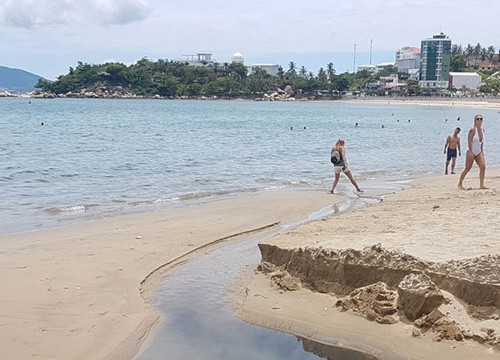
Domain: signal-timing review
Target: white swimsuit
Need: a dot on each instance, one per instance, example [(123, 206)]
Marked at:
[(476, 145)]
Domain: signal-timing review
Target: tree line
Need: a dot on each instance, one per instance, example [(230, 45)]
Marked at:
[(230, 80)]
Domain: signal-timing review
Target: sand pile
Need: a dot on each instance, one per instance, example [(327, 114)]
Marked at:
[(455, 300)]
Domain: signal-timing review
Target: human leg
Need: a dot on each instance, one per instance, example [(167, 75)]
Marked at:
[(482, 170), (469, 160), (446, 168), (335, 182), (453, 162), (353, 181)]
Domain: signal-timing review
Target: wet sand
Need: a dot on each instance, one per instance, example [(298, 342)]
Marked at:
[(83, 291), (368, 279)]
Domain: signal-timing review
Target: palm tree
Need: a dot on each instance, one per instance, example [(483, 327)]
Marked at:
[(303, 72), (468, 53), (491, 53), (330, 71), (292, 68), (477, 53), (322, 77), (484, 53)]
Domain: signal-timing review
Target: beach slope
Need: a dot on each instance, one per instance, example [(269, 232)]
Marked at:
[(415, 276)]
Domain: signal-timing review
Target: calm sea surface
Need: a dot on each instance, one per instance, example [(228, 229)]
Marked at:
[(94, 158)]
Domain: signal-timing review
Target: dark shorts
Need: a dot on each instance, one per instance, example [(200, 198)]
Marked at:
[(452, 153)]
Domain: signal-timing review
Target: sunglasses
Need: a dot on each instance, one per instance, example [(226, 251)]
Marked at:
[(479, 119)]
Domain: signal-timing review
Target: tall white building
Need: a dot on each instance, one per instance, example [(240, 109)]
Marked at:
[(408, 59)]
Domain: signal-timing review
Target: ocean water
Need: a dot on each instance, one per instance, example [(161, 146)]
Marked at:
[(100, 157)]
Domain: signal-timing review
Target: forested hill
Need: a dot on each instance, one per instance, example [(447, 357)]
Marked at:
[(172, 78), (17, 80)]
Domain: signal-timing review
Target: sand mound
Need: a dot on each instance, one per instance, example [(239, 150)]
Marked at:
[(456, 300)]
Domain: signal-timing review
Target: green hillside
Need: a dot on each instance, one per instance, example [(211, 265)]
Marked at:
[(17, 80)]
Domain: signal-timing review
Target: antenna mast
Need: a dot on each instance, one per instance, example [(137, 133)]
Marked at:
[(371, 47), (354, 60)]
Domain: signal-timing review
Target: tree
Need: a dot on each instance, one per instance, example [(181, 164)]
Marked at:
[(292, 69), (413, 87), (458, 63), (491, 54), (330, 71), (303, 72), (322, 77)]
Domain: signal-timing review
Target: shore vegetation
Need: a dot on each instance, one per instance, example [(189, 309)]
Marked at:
[(169, 78)]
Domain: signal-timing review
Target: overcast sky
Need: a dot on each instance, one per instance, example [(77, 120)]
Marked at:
[(46, 37)]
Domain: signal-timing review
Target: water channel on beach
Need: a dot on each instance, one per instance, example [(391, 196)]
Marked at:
[(199, 320)]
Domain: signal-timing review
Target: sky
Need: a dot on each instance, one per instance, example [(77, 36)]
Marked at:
[(47, 37)]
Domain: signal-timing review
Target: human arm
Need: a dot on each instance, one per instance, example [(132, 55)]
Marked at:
[(446, 143), (469, 139), (344, 156), (458, 146)]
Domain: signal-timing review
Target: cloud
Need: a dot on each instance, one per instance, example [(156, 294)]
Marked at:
[(42, 13)]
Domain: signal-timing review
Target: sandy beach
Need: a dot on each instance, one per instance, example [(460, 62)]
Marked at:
[(480, 103), (82, 292), (317, 281)]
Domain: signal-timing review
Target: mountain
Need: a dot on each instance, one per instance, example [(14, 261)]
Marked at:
[(17, 80)]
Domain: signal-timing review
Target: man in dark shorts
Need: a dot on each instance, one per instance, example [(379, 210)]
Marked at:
[(450, 149)]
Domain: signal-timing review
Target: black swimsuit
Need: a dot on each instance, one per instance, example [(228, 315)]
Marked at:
[(452, 153)]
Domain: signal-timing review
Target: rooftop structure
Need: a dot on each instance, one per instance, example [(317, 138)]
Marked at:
[(238, 58), (200, 59)]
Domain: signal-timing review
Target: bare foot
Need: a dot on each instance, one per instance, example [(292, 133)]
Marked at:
[(359, 190), (453, 172), (484, 187), (460, 187)]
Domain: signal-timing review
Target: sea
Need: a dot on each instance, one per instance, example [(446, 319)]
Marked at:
[(65, 161)]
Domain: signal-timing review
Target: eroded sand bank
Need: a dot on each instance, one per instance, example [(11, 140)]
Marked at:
[(416, 276)]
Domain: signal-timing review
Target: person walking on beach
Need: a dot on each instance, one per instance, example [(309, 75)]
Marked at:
[(339, 160), (451, 146), (475, 152)]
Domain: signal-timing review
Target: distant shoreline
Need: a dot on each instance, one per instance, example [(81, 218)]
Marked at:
[(475, 102)]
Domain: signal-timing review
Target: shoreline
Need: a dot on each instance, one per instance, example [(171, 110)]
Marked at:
[(488, 103), (90, 283), (474, 102), (422, 222)]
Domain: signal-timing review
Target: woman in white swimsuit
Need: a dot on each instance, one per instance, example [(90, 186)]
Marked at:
[(475, 152)]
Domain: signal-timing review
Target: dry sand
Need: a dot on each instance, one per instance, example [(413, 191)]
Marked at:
[(480, 103), (439, 249), (81, 292)]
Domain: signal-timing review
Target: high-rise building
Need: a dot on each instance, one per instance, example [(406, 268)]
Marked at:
[(408, 60), (435, 62)]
